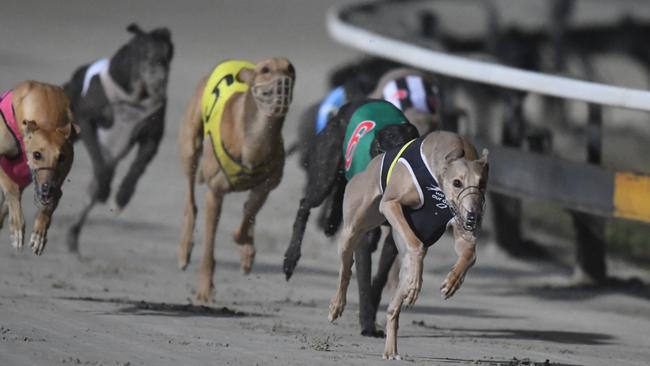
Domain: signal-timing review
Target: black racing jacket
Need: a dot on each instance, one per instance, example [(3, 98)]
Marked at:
[(430, 220)]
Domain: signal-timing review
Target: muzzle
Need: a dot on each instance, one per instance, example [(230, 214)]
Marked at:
[(470, 220), (274, 97), (45, 194)]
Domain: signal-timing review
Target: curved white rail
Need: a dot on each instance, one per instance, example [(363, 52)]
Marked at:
[(483, 72)]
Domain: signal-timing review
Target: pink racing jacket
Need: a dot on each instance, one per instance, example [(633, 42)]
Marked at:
[(16, 168)]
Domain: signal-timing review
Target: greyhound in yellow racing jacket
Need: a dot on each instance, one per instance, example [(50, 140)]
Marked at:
[(232, 134), (221, 85)]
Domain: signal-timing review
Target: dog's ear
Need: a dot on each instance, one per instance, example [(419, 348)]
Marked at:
[(164, 35), (69, 130), (66, 131), (483, 161), (135, 29), (484, 156), (455, 154), (246, 76), (30, 126)]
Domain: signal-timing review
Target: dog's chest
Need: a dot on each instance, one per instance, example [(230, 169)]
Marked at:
[(221, 87), (429, 221)]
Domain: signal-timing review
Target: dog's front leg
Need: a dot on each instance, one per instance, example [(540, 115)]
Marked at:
[(12, 194), (466, 250), (415, 249), (41, 224), (213, 200), (245, 234)]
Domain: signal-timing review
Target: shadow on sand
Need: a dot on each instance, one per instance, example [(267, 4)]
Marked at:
[(450, 310), (556, 336), (141, 307), (632, 287), (494, 362)]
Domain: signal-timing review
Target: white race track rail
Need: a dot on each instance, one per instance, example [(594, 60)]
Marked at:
[(483, 72)]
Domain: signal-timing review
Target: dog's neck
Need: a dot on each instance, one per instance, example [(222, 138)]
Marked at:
[(120, 68), (262, 135), (435, 161)]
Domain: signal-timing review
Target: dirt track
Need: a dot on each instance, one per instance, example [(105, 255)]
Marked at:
[(126, 303)]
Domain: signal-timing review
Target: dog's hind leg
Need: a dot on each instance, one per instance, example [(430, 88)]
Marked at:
[(350, 239), (245, 234), (72, 237), (363, 263), (213, 201), (386, 260), (392, 320), (148, 142), (334, 215), (324, 170), (314, 197), (190, 141)]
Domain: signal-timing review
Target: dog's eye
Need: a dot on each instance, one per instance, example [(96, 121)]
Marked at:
[(265, 70), (61, 157), (458, 183), (37, 155)]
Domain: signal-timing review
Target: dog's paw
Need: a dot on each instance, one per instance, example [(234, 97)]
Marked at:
[(413, 289), (205, 294), (374, 333), (37, 242), (116, 209), (451, 284), (392, 356), (336, 308), (183, 260), (17, 240), (246, 258), (242, 237)]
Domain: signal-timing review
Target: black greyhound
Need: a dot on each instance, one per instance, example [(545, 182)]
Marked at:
[(119, 103)]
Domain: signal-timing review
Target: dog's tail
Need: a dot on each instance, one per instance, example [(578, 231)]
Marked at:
[(190, 139)]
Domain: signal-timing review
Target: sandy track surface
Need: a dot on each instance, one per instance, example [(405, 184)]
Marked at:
[(126, 303)]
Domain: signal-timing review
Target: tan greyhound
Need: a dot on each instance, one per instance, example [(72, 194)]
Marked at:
[(35, 144), (420, 188), (240, 108)]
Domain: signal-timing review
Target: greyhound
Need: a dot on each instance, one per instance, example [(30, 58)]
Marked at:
[(412, 91), (120, 103), (240, 108), (35, 144), (419, 188)]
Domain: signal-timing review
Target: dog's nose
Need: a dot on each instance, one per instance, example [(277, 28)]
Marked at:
[(45, 189)]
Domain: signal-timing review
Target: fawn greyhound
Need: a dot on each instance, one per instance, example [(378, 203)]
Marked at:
[(240, 108), (419, 188), (409, 98), (35, 144)]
